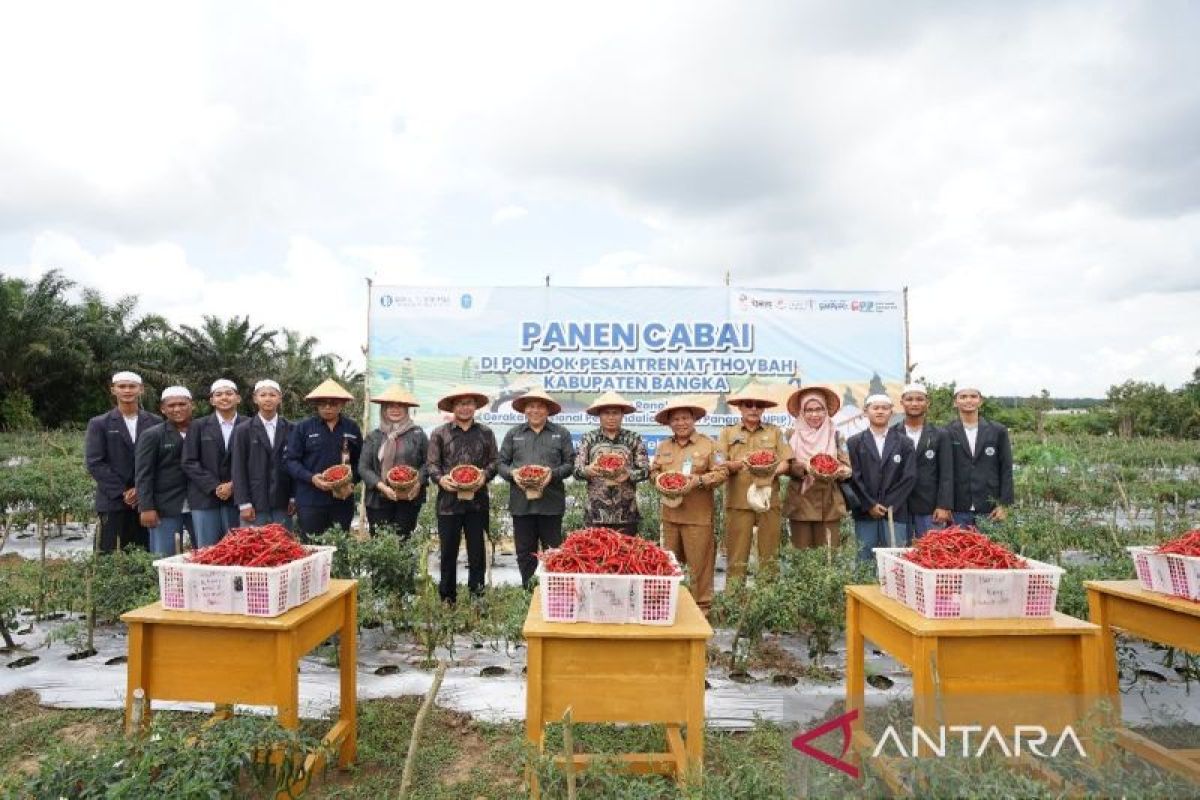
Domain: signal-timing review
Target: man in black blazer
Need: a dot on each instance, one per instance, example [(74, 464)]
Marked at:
[(932, 496), (207, 464), (108, 452), (883, 472), (158, 473), (262, 487), (983, 477)]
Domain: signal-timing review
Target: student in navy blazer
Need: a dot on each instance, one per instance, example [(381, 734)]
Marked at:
[(158, 472), (932, 498), (884, 473), (208, 466), (108, 453), (983, 465), (262, 487)]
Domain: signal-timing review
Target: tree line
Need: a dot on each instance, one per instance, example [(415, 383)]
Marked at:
[(60, 344)]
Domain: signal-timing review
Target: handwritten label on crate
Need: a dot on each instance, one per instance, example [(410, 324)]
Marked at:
[(608, 600), (991, 596), (210, 592)]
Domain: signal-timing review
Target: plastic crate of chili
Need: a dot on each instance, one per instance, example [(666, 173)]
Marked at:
[(587, 597), (968, 593), (1167, 573), (256, 591)]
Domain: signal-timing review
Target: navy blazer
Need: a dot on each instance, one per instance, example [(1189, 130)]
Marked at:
[(206, 462), (259, 477), (312, 447), (109, 456), (887, 482), (983, 480), (158, 471), (935, 471)]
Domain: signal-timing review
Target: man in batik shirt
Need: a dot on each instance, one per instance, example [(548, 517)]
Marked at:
[(612, 501)]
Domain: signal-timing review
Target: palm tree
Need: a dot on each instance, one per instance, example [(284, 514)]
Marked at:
[(223, 349)]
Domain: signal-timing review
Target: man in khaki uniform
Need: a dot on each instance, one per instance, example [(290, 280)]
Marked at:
[(741, 516), (688, 528)]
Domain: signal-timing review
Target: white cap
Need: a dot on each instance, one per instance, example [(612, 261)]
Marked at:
[(966, 386), (175, 391), (126, 377), (222, 383), (914, 388), (267, 383), (877, 398)]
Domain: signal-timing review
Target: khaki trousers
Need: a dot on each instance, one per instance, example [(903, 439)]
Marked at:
[(695, 547), (812, 534), (739, 528)]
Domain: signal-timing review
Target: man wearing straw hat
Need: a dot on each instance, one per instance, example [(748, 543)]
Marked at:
[(398, 441), (206, 460), (108, 452), (687, 529), (745, 508), (537, 519), (884, 474), (262, 487), (462, 441), (612, 500), (316, 443), (158, 472)]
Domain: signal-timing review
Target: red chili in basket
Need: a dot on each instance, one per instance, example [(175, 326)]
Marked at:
[(466, 474), (603, 551), (401, 473), (336, 473), (962, 548), (671, 481), (761, 458), (610, 462), (823, 464), (531, 473), (266, 546), (1187, 544)]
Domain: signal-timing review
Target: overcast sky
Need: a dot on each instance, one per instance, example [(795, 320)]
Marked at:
[(1031, 171)]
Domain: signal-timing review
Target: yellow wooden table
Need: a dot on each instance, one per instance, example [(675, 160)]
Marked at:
[(1002, 672), (621, 673), (231, 658), (1155, 617)]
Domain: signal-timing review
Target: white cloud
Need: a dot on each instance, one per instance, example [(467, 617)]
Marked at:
[(509, 213)]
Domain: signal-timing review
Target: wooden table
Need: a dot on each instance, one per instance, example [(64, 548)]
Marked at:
[(232, 658), (621, 673), (1155, 617), (1002, 672)]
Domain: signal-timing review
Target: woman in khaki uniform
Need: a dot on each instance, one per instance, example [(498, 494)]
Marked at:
[(814, 506)]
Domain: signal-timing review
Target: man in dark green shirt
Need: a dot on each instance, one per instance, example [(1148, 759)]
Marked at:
[(537, 509)]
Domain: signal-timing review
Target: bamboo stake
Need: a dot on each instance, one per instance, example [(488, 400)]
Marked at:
[(418, 725), (891, 528), (569, 753)]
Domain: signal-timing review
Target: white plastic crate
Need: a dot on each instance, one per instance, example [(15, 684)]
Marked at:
[(584, 597), (256, 591), (1167, 573), (968, 593)]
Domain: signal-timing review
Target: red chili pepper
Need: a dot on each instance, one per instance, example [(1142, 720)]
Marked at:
[(466, 474), (338, 472), (762, 458), (962, 548), (823, 464), (671, 481), (1187, 544), (603, 551), (267, 546)]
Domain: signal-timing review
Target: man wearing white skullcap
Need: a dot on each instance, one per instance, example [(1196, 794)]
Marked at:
[(206, 460), (932, 497), (983, 479), (262, 487), (884, 472), (158, 472), (109, 455)]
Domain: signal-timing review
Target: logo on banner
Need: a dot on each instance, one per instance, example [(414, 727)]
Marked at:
[(386, 301), (465, 300)]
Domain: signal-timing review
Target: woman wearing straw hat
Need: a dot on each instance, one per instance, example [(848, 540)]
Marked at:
[(398, 441), (537, 511), (612, 499), (814, 505), (687, 529), (325, 439), (745, 494), (462, 441)]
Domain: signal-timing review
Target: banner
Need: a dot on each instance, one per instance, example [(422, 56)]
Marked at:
[(649, 344)]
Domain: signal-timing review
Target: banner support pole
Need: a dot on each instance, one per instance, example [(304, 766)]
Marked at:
[(908, 365), (366, 410)]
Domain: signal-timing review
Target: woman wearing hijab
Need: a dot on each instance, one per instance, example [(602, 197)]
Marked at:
[(397, 440), (814, 506)]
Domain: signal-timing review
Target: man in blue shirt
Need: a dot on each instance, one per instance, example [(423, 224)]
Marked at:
[(316, 443)]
